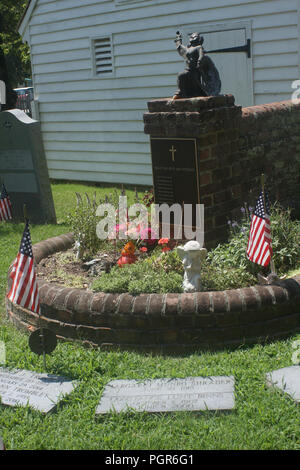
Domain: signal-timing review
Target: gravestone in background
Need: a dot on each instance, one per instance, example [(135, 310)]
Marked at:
[(23, 167)]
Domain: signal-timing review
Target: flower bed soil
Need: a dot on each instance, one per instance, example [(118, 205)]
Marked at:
[(162, 323)]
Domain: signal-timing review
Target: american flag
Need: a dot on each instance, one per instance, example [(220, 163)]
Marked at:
[(259, 248), (5, 205), (24, 289)]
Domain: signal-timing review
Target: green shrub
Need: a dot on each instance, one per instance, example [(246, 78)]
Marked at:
[(216, 278), (168, 262), (83, 222), (285, 241), (226, 266), (141, 277)]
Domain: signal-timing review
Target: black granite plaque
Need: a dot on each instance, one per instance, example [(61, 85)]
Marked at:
[(175, 172)]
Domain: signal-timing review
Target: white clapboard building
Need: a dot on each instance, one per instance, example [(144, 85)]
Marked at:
[(96, 63)]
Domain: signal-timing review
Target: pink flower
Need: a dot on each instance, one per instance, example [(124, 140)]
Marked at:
[(148, 236)]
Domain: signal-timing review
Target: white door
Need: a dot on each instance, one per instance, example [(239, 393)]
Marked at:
[(235, 68)]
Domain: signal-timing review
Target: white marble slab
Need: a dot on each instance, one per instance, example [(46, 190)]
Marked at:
[(287, 380), (40, 391), (164, 395)]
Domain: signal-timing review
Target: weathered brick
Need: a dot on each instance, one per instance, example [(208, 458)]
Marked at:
[(205, 320), (156, 304), (205, 178), (235, 301), (222, 196), (64, 316), (264, 295), (219, 302), (125, 304), (167, 336), (73, 299), (188, 304), (98, 302), (43, 290), (51, 294), (171, 304), (208, 165), (111, 303), (140, 304), (250, 299), (205, 154), (226, 319), (61, 299), (203, 303)]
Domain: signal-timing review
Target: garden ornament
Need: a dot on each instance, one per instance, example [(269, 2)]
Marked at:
[(78, 248), (192, 256)]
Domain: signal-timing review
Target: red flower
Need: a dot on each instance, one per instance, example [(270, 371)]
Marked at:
[(165, 248), (143, 249), (128, 249), (128, 259), (163, 241)]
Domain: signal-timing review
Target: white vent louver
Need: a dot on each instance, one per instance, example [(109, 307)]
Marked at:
[(103, 56)]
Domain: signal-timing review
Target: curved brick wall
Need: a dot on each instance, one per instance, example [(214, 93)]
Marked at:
[(167, 323)]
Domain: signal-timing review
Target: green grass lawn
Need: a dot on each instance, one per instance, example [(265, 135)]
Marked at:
[(263, 418)]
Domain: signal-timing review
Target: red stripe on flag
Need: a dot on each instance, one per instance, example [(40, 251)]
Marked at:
[(20, 263), (24, 282), (24, 290), (258, 250), (8, 207)]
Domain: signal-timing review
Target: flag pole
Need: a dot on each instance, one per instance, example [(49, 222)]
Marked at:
[(25, 213), (272, 265), (39, 315)]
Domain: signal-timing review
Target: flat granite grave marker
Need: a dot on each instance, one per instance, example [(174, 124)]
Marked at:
[(164, 395), (23, 167), (40, 391), (287, 380)]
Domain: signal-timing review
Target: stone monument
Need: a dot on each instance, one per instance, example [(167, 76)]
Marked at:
[(23, 167)]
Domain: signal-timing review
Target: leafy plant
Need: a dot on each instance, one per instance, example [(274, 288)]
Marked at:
[(285, 241), (142, 276), (83, 221), (217, 278), (15, 54)]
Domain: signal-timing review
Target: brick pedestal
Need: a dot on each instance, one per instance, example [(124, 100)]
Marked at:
[(234, 146), (212, 122)]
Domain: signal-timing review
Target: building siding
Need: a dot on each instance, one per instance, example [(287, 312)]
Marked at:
[(93, 127)]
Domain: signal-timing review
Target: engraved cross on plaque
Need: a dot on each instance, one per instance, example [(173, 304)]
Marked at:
[(173, 150)]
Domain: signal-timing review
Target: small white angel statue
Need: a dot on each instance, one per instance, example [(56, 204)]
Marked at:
[(192, 256)]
